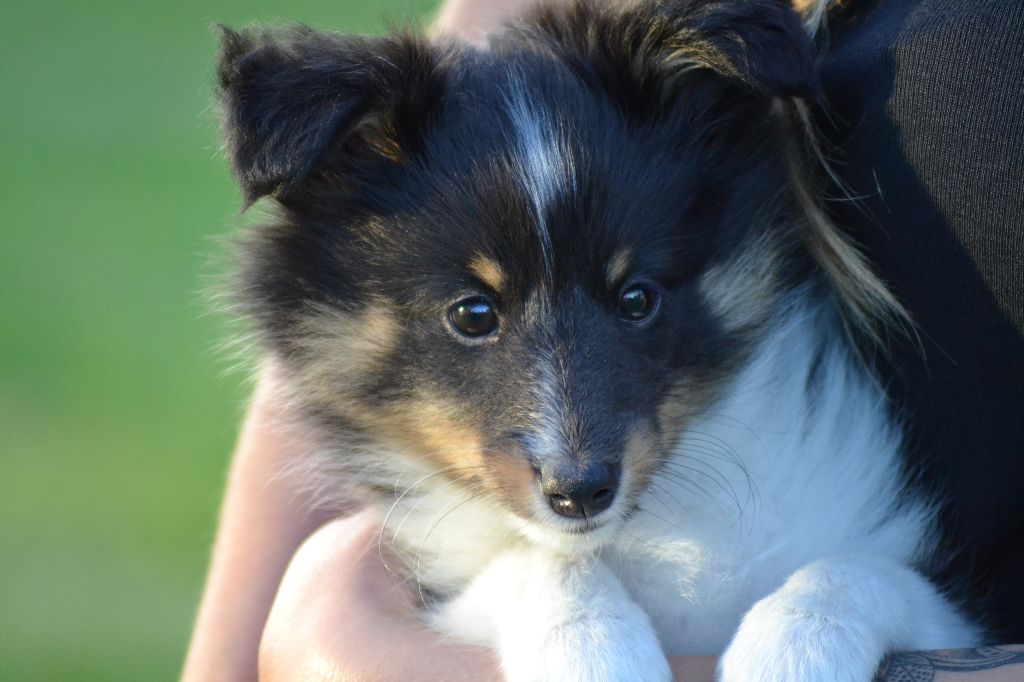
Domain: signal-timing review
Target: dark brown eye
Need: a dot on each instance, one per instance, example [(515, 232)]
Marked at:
[(473, 317), (637, 302)]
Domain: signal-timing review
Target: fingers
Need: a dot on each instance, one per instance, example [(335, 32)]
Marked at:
[(340, 568), (472, 20), (325, 602), (342, 614)]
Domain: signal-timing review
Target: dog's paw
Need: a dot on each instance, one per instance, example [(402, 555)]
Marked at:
[(588, 650), (586, 629), (553, 618), (778, 642)]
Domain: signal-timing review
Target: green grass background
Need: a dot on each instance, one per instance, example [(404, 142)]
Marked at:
[(117, 414)]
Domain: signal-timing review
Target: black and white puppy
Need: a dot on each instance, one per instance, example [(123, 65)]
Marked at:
[(568, 310)]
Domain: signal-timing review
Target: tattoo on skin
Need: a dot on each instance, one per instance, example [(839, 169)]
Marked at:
[(924, 666)]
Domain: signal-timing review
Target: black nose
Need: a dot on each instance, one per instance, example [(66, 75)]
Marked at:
[(579, 490)]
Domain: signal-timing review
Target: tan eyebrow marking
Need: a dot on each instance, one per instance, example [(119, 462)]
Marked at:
[(488, 271), (618, 266)]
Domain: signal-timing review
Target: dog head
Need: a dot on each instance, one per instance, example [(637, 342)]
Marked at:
[(525, 267)]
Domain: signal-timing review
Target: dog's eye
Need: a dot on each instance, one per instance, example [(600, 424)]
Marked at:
[(637, 302), (473, 317)]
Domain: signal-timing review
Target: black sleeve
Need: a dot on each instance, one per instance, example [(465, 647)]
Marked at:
[(927, 100)]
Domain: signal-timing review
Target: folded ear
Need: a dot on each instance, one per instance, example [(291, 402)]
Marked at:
[(644, 49), (764, 43), (289, 96)]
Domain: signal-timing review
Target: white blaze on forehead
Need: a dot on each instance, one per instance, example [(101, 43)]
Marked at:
[(546, 168)]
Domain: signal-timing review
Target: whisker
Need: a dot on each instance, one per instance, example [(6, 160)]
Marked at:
[(718, 479), (394, 505), (441, 516), (660, 488)]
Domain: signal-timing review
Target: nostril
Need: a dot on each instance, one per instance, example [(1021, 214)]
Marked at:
[(565, 506), (602, 498)]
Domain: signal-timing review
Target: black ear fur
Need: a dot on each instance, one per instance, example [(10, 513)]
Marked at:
[(289, 96), (639, 52), (765, 42)]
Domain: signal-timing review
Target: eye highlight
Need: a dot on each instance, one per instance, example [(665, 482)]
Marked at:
[(637, 302), (473, 317)]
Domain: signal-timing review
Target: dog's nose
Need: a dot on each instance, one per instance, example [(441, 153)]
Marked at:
[(580, 490)]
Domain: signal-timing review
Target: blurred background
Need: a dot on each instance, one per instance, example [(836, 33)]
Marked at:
[(117, 410)]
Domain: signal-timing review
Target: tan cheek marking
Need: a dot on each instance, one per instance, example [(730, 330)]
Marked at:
[(740, 291), (340, 349), (686, 400), (488, 271), (618, 266), (640, 458), (433, 428), (510, 479)]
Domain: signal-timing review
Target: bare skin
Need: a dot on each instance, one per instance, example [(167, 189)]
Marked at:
[(262, 523), (473, 19), (286, 601)]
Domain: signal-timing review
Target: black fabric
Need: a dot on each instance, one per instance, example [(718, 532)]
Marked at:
[(927, 100)]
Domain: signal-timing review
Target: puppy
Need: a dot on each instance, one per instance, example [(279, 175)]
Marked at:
[(568, 310)]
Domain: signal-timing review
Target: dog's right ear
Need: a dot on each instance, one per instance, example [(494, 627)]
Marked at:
[(640, 51), (289, 96)]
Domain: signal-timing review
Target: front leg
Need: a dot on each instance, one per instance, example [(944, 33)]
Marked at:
[(552, 618), (835, 619)]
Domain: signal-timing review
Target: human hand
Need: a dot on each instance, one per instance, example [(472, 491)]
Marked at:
[(341, 614), (338, 613), (472, 20)]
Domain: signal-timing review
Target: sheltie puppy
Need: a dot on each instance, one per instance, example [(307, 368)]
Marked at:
[(568, 310)]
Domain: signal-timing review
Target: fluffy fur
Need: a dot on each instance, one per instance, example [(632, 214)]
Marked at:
[(757, 504)]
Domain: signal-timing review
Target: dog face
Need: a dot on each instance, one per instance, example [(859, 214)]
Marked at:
[(527, 266)]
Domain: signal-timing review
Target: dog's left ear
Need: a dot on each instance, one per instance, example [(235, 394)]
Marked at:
[(290, 97)]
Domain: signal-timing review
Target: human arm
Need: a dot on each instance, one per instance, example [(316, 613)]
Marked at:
[(262, 523), (985, 664)]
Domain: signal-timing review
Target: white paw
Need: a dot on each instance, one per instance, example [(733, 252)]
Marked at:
[(605, 649), (555, 619), (779, 642)]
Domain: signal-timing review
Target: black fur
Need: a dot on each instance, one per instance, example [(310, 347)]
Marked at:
[(394, 162), (288, 96)]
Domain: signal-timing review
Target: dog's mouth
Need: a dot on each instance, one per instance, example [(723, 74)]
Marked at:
[(608, 522), (578, 529), (570, 536), (584, 527)]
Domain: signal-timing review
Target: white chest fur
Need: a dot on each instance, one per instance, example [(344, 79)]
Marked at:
[(797, 463)]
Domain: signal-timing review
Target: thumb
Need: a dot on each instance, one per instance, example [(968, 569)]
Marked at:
[(337, 594)]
